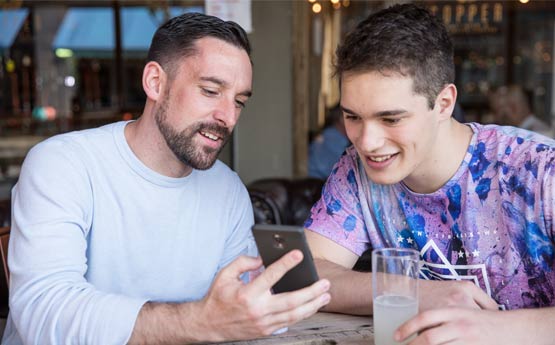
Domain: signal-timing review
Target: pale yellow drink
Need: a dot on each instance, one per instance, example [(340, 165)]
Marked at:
[(390, 312)]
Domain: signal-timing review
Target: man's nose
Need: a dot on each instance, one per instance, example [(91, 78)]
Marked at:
[(371, 137), (227, 113)]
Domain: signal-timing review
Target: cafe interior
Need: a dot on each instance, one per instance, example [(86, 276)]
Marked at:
[(69, 65)]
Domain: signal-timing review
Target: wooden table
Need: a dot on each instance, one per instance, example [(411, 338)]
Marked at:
[(323, 329)]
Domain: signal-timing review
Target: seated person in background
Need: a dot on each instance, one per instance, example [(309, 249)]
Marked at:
[(327, 147), (474, 200), (511, 105), (133, 232)]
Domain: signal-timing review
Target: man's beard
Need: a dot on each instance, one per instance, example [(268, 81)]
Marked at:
[(182, 143)]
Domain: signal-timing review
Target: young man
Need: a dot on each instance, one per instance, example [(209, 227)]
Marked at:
[(133, 232), (476, 201)]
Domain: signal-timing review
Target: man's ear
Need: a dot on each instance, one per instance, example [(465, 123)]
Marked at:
[(445, 101), (154, 79)]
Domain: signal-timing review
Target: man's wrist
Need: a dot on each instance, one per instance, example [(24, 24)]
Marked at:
[(191, 322)]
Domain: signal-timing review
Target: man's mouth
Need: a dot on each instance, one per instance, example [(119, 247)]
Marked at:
[(210, 135), (379, 159)]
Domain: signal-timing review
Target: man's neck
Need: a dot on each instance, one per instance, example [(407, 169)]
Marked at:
[(147, 143)]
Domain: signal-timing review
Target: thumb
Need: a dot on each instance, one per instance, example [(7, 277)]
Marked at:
[(241, 265)]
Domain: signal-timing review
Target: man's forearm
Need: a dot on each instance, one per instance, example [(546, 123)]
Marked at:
[(533, 326), (166, 323), (351, 292)]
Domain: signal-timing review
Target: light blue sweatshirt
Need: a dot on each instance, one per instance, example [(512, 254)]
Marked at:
[(96, 234)]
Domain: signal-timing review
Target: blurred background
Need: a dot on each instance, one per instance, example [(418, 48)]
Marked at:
[(75, 64)]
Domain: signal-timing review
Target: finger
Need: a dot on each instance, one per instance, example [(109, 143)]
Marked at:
[(273, 273), (241, 265), (422, 321), (301, 312), (469, 295), (290, 300), (444, 333), (484, 301)]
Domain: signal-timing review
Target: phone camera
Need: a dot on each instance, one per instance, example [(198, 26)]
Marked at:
[(278, 241)]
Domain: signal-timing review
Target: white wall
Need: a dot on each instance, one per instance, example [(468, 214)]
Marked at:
[(264, 144)]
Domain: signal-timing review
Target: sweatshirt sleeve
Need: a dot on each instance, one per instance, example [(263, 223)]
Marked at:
[(51, 302)]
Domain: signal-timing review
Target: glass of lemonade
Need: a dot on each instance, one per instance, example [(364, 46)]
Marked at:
[(395, 290)]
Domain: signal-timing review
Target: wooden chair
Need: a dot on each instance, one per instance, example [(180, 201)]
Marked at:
[(4, 278)]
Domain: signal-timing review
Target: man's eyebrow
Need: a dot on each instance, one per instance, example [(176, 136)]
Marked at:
[(215, 80), (378, 114), (390, 112), (224, 84), (247, 93), (347, 110)]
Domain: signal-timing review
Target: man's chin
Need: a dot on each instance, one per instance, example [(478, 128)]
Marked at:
[(205, 166), (205, 163), (383, 179)]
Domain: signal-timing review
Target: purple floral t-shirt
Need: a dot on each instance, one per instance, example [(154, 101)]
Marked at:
[(491, 224)]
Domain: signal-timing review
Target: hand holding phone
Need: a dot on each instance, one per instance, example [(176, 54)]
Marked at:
[(274, 241)]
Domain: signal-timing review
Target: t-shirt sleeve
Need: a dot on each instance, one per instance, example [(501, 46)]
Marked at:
[(240, 240), (338, 214), (51, 302)]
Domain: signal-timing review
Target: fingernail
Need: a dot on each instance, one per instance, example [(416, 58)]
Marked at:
[(325, 284), (326, 298), (297, 255)]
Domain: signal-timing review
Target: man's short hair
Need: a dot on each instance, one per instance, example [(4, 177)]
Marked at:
[(404, 39), (176, 39)]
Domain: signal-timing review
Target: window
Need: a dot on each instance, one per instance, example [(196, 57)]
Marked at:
[(62, 67)]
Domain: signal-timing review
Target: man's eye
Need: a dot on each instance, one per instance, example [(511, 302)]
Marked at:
[(240, 104), (352, 117), (391, 120), (209, 92)]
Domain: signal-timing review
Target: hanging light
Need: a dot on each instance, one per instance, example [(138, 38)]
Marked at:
[(316, 8)]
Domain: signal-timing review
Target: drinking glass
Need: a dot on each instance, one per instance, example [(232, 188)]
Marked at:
[(395, 290)]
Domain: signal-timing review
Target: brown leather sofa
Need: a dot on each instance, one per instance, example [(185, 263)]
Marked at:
[(288, 202), (283, 200), (5, 212)]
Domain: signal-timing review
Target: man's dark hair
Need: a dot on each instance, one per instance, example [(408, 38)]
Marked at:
[(176, 38), (404, 39)]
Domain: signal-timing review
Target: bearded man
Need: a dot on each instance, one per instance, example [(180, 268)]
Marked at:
[(134, 232)]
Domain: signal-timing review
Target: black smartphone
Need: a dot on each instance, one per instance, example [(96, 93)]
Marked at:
[(274, 241)]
